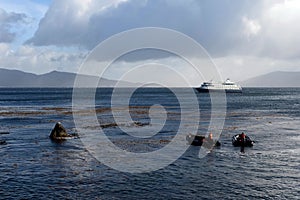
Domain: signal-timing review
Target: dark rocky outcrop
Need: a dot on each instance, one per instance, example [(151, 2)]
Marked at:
[(59, 132), (198, 140), (2, 142)]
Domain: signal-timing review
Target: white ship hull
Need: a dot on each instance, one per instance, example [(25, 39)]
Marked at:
[(226, 86)]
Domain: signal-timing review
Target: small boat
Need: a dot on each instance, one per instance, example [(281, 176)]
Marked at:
[(227, 86), (198, 140), (238, 141)]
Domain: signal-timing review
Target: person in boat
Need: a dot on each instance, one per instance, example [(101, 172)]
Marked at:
[(211, 141), (242, 139), (243, 135), (210, 136)]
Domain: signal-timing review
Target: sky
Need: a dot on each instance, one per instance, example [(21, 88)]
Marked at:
[(244, 38)]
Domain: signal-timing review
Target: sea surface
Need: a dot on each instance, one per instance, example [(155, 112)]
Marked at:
[(34, 167)]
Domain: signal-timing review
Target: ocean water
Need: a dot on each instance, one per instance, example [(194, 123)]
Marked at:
[(34, 167)]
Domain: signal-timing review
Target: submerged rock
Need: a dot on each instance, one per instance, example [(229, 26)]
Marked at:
[(108, 125), (198, 140), (2, 142), (59, 132)]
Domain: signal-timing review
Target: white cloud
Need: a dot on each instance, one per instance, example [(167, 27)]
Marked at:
[(213, 23), (66, 22), (245, 38), (8, 24), (240, 68), (281, 30), (39, 60), (261, 28), (251, 27), (4, 49), (172, 71)]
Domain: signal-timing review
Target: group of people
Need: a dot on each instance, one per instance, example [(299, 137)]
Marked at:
[(242, 140), (238, 140)]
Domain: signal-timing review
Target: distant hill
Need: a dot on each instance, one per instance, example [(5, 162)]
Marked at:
[(16, 78), (274, 79)]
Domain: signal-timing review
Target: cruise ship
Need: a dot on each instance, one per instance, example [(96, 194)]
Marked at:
[(227, 86)]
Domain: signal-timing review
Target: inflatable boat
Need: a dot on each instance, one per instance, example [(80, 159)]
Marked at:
[(198, 140), (238, 141)]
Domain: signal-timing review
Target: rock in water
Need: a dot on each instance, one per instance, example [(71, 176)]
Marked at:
[(59, 132), (3, 142)]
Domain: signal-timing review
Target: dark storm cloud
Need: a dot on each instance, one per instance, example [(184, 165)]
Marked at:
[(213, 23), (227, 27)]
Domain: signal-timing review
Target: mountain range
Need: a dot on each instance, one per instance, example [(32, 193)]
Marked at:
[(274, 79), (16, 78)]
